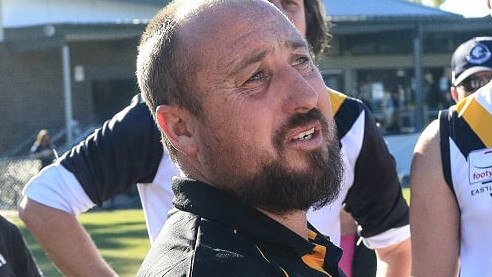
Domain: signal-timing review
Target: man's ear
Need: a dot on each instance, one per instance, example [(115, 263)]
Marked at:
[(454, 94), (176, 123)]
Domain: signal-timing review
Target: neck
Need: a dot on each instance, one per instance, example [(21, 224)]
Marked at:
[(295, 221)]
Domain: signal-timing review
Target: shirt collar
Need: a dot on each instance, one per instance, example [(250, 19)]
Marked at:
[(206, 201)]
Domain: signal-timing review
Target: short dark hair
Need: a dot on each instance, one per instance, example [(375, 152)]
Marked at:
[(163, 69), (317, 26)]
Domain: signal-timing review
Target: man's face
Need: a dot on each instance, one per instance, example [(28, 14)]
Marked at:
[(470, 85), (294, 9), (267, 134)]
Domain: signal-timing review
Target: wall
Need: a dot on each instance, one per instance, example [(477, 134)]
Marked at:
[(31, 86), (101, 61), (31, 94)]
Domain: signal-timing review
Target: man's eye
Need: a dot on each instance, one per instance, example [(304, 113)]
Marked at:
[(302, 63), (290, 5), (258, 76), (301, 60), (290, 2)]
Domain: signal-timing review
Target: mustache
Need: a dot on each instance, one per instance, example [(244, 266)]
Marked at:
[(297, 120), (300, 119)]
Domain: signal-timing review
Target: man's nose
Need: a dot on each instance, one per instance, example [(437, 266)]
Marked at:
[(300, 96)]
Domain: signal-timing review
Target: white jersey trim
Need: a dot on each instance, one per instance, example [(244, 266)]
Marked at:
[(58, 188), (157, 196), (388, 238)]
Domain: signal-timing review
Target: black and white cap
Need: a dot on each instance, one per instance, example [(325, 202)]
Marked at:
[(473, 56)]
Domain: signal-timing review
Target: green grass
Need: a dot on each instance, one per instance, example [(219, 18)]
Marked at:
[(406, 194), (121, 236)]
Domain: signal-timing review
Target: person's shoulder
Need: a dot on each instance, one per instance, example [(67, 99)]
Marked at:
[(428, 141), (224, 250), (6, 225), (8, 231), (173, 250), (339, 98), (346, 109), (190, 245)]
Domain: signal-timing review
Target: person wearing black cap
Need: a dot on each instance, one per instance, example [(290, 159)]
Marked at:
[(451, 175), (472, 67)]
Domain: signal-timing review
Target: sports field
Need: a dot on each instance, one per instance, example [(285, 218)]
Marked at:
[(120, 235)]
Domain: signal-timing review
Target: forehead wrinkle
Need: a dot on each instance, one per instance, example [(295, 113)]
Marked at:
[(239, 63)]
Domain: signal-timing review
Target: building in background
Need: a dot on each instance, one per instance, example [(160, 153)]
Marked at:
[(396, 56), (69, 64)]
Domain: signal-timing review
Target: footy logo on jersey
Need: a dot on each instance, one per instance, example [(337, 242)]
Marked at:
[(480, 162)]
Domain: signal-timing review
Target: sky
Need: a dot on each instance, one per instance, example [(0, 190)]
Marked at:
[(468, 8)]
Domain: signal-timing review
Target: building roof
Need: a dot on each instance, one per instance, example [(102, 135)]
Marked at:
[(381, 8), (359, 8)]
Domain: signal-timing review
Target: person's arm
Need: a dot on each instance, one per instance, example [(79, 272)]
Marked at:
[(376, 201), (125, 151), (434, 213), (397, 259), (46, 153), (65, 240)]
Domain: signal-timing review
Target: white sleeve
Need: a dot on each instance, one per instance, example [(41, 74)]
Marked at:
[(56, 187), (387, 238)]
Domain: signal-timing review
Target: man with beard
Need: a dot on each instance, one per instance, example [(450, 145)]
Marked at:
[(127, 151), (246, 118)]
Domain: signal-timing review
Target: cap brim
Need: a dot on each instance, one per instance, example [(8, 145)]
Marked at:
[(470, 71)]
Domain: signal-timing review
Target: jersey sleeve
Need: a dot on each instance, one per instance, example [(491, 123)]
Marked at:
[(375, 199), (125, 151)]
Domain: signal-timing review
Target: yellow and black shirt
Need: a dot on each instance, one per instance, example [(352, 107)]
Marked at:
[(210, 233)]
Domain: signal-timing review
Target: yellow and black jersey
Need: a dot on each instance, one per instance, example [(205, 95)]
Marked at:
[(466, 152), (212, 234)]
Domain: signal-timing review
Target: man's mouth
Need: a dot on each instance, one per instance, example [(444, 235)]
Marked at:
[(305, 135), (306, 138), (303, 131)]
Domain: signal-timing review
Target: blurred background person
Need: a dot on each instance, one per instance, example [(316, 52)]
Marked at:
[(472, 67), (43, 148)]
